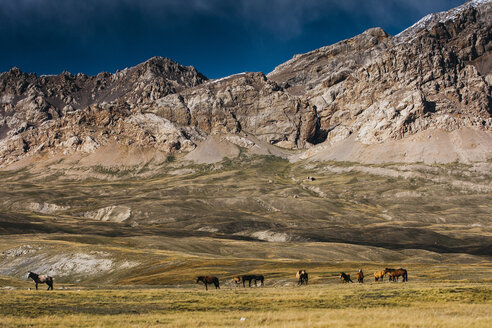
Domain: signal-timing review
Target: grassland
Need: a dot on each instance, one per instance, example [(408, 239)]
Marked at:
[(252, 214), (412, 304), (244, 214)]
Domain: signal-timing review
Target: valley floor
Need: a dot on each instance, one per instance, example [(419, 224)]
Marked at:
[(412, 304), (125, 245)]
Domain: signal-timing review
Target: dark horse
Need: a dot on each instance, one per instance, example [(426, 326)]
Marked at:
[(302, 277), (394, 274), (41, 279), (208, 280), (360, 276), (345, 277), (254, 277)]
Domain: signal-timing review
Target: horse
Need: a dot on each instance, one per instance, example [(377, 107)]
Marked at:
[(379, 275), (394, 274), (302, 277), (208, 280), (41, 279), (237, 281), (345, 277), (251, 277), (360, 276)]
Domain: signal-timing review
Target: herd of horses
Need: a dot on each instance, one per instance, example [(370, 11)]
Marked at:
[(393, 275), (301, 275)]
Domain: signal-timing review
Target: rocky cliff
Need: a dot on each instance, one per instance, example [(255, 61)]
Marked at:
[(423, 95), (377, 88)]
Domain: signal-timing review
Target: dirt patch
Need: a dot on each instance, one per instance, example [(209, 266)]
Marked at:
[(214, 149), (429, 146), (111, 213)]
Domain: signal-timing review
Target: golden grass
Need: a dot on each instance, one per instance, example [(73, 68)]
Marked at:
[(426, 316), (369, 305)]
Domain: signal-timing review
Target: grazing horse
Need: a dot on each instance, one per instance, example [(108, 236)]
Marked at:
[(394, 274), (237, 281), (41, 279), (360, 276), (302, 277), (208, 280), (251, 277), (345, 277), (379, 275)]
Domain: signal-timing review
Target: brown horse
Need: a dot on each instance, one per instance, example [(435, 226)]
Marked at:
[(345, 277), (208, 280), (251, 277), (237, 281), (379, 275), (394, 274), (41, 279), (302, 277), (360, 276)]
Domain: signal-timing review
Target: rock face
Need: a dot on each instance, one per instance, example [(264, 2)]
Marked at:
[(373, 89), (71, 113), (245, 102), (434, 75)]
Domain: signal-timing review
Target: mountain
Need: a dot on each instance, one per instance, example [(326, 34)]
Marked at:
[(423, 95), (156, 174)]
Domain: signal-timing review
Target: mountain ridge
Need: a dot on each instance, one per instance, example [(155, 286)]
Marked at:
[(373, 89)]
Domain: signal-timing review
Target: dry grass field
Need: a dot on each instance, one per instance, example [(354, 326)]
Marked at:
[(125, 244), (413, 304)]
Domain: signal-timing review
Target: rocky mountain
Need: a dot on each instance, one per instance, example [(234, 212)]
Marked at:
[(375, 88), (423, 95)]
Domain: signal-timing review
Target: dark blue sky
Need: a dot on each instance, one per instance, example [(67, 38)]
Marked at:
[(218, 37)]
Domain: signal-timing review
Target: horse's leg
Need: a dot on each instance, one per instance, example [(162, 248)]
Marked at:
[(36, 286), (206, 288)]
